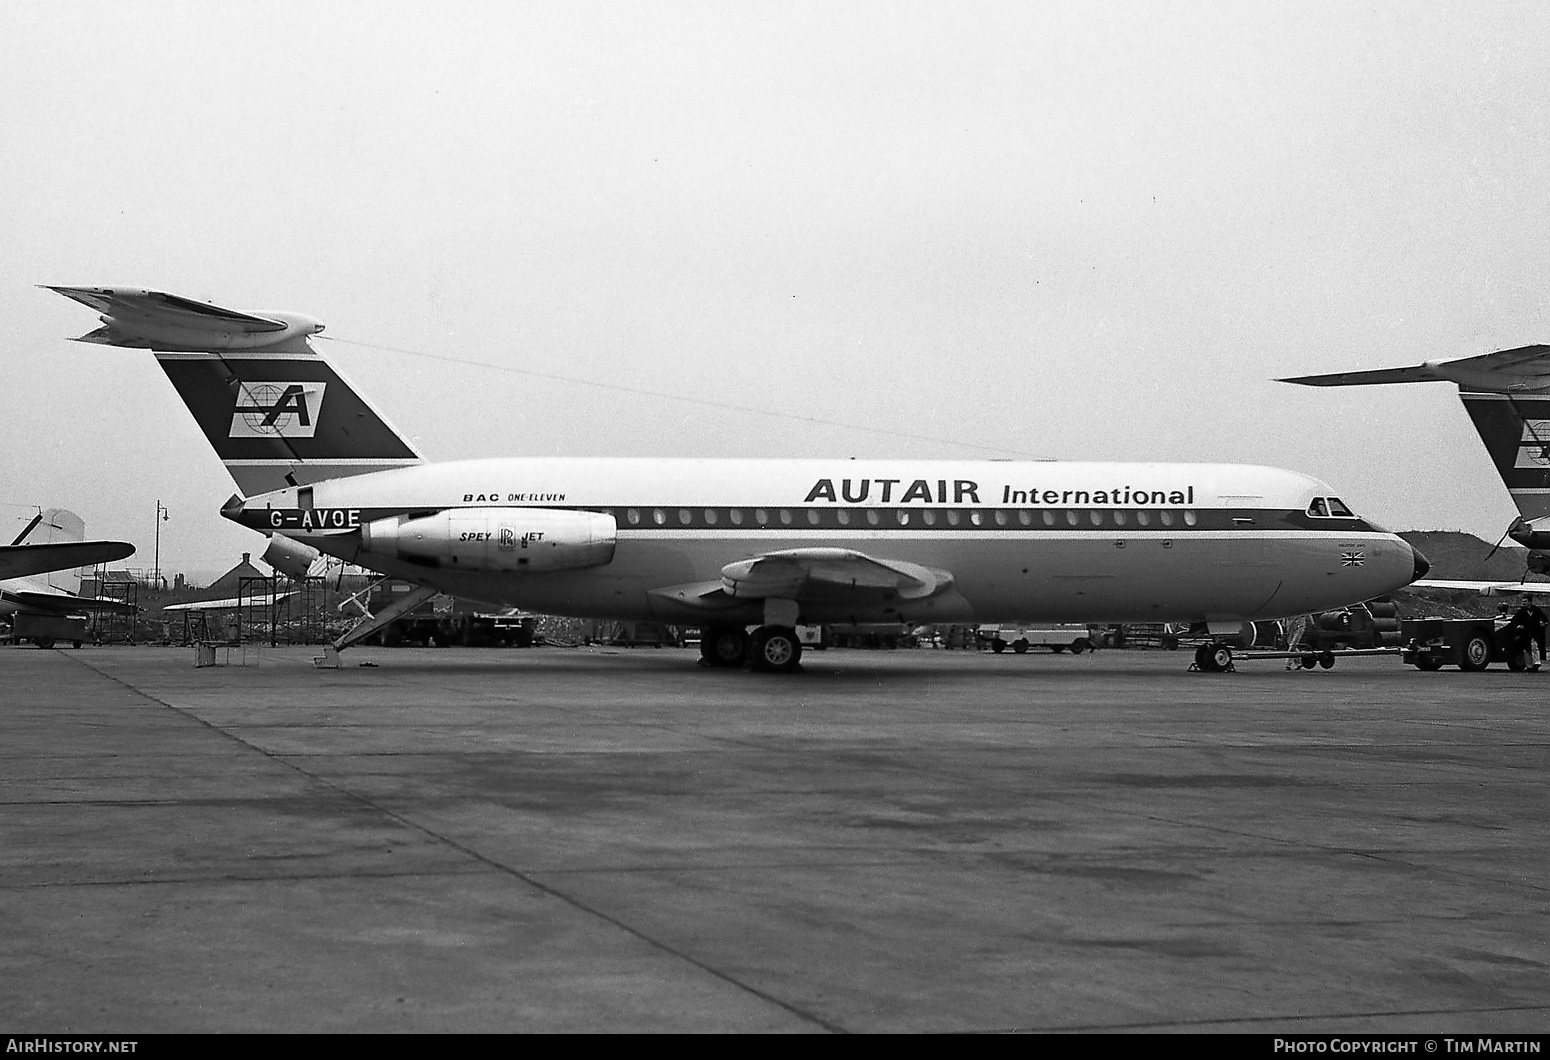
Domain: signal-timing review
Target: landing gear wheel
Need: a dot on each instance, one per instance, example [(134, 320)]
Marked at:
[(1308, 662), (1327, 660), (1203, 658), (1221, 657), (1020, 646), (776, 648), (723, 646), (1477, 653)]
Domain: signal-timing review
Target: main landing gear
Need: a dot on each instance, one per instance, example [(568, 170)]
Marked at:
[(774, 649), (1214, 659)]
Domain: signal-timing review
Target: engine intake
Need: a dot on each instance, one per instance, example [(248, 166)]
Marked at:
[(505, 540)]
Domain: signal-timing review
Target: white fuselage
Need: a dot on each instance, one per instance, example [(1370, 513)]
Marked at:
[(1091, 542)]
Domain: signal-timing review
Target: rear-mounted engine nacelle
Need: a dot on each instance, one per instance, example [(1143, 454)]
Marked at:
[(495, 539)]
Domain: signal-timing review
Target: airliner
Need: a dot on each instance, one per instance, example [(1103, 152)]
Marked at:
[(745, 550), (38, 569)]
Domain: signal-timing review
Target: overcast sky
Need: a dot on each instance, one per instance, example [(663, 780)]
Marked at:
[(1077, 230)]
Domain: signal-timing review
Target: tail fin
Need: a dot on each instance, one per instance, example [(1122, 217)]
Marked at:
[(1516, 432), (55, 526), (276, 413)]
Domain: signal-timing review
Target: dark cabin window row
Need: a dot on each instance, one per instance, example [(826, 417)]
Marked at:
[(913, 518)]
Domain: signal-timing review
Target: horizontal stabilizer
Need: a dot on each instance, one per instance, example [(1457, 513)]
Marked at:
[(155, 320), (1418, 374), (113, 301), (18, 561), (1525, 369)]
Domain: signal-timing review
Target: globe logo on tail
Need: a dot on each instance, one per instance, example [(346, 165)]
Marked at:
[(277, 410)]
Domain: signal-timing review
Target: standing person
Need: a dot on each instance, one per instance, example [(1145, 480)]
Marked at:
[(1535, 622), (1527, 631), (1296, 626)]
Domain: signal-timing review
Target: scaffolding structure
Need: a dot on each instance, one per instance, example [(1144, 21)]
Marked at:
[(282, 610), (110, 625)]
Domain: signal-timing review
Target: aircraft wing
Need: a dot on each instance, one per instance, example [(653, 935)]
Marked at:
[(18, 561), (1485, 588), (61, 603), (802, 572), (231, 603)]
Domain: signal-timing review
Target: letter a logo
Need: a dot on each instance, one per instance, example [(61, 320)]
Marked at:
[(277, 410)]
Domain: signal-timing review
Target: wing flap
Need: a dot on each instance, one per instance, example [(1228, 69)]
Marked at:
[(797, 573)]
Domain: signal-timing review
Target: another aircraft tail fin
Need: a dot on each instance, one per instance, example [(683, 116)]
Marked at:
[(55, 526), (1516, 432), (275, 412)]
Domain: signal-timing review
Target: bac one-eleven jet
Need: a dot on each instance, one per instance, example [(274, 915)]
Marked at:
[(744, 549)]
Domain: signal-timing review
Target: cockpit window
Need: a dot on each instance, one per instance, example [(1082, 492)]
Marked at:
[(1330, 508)]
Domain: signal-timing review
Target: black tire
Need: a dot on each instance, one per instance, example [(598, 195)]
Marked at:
[(43, 642), (1020, 646), (1308, 662), (1170, 643), (1477, 653), (1327, 660), (722, 646), (1079, 645), (75, 644), (776, 649), (1057, 648), (1221, 657), (998, 645)]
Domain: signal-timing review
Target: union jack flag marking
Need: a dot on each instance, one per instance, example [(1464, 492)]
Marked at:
[(1352, 559)]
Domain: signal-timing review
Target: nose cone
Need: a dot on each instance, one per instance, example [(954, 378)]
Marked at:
[(1421, 565)]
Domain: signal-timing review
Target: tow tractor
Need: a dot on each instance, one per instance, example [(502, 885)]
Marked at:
[(1471, 644)]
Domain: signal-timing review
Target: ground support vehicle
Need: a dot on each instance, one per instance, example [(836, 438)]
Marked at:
[(43, 630), (1057, 638), (1469, 643), (1222, 658)]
